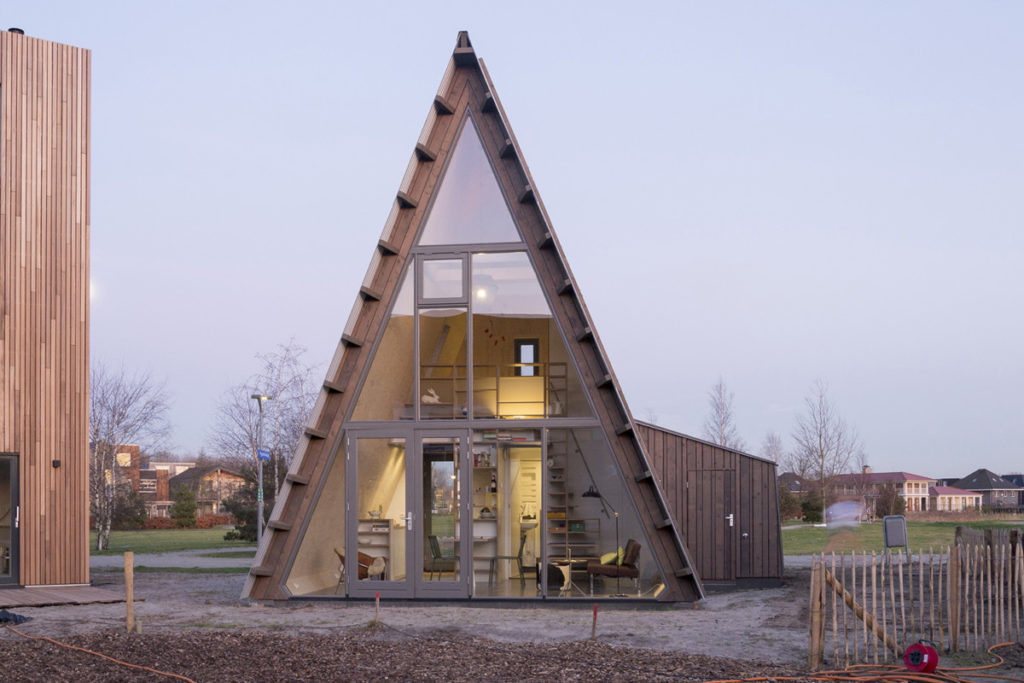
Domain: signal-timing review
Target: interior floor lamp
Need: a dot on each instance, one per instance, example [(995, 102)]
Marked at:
[(594, 493)]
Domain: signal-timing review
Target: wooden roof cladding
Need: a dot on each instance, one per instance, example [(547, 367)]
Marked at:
[(44, 299), (467, 87)]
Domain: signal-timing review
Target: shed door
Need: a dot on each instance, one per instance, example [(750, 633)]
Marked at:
[(711, 523)]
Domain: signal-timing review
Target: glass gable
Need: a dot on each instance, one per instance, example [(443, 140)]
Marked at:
[(386, 394), (469, 207), (510, 314)]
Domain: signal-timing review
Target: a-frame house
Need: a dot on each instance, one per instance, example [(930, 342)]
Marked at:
[(471, 439)]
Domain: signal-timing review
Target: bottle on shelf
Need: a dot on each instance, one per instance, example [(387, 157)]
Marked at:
[(493, 488)]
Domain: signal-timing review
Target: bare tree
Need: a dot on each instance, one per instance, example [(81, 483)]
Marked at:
[(289, 382), (771, 447), (123, 409), (719, 426), (823, 442)]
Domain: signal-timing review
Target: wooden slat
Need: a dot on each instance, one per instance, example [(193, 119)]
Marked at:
[(298, 479), (442, 106), (279, 524), (386, 248), (333, 387), (315, 433), (369, 294), (349, 340), (508, 150), (405, 201), (423, 153)]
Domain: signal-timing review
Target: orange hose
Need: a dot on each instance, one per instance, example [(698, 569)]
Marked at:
[(100, 654), (889, 673)]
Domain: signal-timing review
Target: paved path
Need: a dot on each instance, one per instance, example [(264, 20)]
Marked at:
[(181, 558)]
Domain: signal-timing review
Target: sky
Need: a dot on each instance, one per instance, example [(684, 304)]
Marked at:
[(768, 193)]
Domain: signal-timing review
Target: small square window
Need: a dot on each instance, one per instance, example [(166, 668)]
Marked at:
[(527, 355)]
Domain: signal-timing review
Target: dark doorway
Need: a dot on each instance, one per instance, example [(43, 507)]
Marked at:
[(9, 519)]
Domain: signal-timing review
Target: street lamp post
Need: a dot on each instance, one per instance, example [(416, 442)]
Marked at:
[(259, 398)]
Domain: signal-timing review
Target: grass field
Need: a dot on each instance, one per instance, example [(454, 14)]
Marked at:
[(808, 540), (165, 541)]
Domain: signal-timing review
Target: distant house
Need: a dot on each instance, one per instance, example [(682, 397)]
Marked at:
[(796, 484), (150, 478), (212, 486), (1018, 479), (912, 488), (997, 493), (952, 499)]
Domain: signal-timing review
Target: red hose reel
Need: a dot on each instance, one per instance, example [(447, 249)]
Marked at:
[(921, 657)]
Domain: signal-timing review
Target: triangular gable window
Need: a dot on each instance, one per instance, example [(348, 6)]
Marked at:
[(469, 207)]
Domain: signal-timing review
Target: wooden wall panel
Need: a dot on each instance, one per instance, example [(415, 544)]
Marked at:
[(694, 475), (44, 299)]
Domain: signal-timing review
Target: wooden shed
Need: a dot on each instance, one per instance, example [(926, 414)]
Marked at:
[(44, 311), (726, 502)]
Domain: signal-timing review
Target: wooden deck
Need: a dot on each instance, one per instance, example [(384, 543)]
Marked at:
[(47, 597)]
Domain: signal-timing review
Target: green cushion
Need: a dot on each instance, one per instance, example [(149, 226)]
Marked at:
[(609, 558)]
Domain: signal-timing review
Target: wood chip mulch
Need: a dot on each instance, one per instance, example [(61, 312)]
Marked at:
[(372, 653)]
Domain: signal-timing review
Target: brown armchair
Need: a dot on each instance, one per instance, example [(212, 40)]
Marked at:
[(369, 567), (627, 569)]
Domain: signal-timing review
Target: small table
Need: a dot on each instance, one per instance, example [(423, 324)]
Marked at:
[(566, 566)]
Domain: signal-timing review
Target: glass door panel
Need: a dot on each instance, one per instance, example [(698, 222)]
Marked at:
[(383, 522), (8, 519), (507, 504), (441, 552)]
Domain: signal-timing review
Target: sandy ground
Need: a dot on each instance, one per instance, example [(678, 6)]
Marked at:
[(768, 624)]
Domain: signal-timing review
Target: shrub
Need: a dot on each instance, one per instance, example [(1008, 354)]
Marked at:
[(183, 512), (159, 523), (789, 504), (210, 521), (129, 510), (811, 509)]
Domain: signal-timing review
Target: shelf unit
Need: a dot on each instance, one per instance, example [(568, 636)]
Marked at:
[(485, 529), (569, 534)]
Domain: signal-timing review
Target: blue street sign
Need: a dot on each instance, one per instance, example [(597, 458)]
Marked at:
[(263, 454)]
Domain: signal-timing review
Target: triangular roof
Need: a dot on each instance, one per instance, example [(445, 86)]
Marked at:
[(466, 87), (985, 480)]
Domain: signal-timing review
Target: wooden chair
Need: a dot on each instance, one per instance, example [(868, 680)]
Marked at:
[(369, 567), (439, 562), (518, 557)]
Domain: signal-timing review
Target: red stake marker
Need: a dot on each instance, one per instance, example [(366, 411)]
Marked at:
[(593, 629)]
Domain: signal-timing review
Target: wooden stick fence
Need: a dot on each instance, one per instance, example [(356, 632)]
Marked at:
[(964, 598)]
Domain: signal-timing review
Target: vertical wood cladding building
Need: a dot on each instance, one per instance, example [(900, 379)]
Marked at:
[(44, 311), (727, 502)]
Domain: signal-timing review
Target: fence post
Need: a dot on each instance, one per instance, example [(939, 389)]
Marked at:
[(953, 597), (814, 654), (129, 590)]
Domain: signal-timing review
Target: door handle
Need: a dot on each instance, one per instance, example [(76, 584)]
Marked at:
[(408, 521), (731, 517), (17, 515)]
